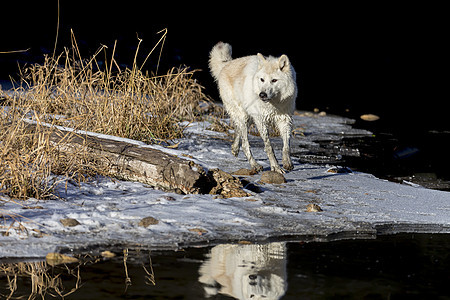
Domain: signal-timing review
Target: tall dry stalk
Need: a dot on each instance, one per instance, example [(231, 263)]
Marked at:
[(125, 103), (75, 92)]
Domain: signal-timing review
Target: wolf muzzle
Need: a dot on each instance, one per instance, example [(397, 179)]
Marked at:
[(263, 96)]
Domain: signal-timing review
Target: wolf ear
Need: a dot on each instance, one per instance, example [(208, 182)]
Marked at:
[(261, 58), (283, 63)]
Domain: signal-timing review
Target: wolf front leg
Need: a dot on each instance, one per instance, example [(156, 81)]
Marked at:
[(284, 125), (264, 133)]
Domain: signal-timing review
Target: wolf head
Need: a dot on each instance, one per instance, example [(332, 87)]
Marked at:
[(275, 78)]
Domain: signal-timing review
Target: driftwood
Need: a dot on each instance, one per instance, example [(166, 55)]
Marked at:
[(151, 166), (147, 165)]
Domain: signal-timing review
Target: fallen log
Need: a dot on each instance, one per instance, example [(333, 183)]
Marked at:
[(127, 161), (154, 167)]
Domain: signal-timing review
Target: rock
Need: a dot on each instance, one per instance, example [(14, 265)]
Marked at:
[(54, 259), (272, 177), (69, 222), (245, 172), (369, 117), (227, 185), (37, 233), (166, 198), (147, 221), (33, 207), (199, 231), (251, 200), (340, 170), (313, 208)]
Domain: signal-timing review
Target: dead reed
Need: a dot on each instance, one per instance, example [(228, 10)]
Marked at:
[(75, 92), (121, 102), (62, 276), (31, 164), (44, 280)]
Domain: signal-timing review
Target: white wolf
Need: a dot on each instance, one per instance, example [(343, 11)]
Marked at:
[(258, 88)]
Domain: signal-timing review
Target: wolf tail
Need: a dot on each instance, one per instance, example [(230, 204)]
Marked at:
[(218, 58)]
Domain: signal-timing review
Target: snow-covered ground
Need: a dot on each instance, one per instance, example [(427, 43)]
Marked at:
[(109, 211)]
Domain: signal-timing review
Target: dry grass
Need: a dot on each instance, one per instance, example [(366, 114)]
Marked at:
[(45, 280), (29, 160), (75, 92), (125, 103)]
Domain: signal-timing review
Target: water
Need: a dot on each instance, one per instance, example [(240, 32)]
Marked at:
[(402, 266), (409, 155)]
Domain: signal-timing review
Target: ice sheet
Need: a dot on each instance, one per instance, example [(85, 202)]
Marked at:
[(109, 211)]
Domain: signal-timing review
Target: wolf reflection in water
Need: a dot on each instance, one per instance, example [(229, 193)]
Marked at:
[(246, 271)]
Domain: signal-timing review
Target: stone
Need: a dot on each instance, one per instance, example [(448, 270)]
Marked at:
[(199, 231), (313, 208), (339, 170), (272, 177), (69, 222), (227, 185), (369, 117), (147, 221)]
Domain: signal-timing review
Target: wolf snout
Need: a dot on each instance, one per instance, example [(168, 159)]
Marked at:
[(263, 96)]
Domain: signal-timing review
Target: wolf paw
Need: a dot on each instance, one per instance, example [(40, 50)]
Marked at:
[(277, 169), (287, 163), (288, 166)]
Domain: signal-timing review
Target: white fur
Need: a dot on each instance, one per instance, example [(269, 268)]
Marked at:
[(257, 88)]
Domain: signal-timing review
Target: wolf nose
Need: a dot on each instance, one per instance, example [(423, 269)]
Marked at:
[(263, 95)]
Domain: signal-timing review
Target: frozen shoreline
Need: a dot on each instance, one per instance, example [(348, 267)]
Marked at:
[(356, 205)]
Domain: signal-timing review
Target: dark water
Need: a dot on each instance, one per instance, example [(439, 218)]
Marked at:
[(402, 266), (416, 154), (424, 162)]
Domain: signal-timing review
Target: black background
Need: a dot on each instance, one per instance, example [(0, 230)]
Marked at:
[(378, 57)]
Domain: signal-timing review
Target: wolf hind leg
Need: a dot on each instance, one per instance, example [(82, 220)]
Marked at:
[(236, 120), (241, 128)]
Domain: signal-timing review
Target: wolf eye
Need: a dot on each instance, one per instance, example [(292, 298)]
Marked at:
[(274, 80), (262, 79)]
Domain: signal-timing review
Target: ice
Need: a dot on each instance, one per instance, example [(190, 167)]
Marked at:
[(354, 204)]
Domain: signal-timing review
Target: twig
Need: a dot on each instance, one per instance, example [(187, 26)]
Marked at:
[(57, 33), (127, 278), (14, 51)]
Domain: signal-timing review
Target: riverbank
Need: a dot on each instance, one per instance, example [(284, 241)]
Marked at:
[(111, 214)]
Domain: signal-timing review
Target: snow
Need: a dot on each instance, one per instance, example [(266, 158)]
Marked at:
[(354, 204)]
